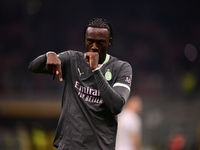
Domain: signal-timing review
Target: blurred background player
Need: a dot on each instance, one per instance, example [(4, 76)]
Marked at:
[(130, 125)]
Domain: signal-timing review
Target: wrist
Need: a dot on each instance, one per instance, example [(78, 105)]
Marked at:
[(95, 69)]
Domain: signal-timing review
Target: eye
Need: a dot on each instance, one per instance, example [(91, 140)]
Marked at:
[(101, 42), (89, 41)]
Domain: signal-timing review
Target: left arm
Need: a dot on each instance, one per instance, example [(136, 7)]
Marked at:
[(114, 97)]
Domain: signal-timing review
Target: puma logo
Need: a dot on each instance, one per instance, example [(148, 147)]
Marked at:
[(80, 72)]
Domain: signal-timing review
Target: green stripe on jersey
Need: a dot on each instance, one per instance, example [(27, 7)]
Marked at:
[(122, 85), (106, 60)]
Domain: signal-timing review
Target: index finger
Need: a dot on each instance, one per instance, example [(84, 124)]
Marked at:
[(59, 73)]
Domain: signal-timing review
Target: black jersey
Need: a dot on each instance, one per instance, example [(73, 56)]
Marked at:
[(86, 122)]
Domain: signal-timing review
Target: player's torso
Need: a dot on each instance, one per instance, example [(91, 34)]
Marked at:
[(83, 102), (83, 80)]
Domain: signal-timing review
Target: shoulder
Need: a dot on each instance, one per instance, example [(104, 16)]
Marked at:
[(120, 63), (69, 54)]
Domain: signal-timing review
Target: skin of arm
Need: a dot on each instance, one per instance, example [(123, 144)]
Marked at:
[(136, 140)]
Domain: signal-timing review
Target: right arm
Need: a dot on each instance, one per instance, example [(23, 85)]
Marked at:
[(38, 65), (48, 63)]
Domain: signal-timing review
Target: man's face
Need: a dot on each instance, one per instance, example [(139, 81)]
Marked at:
[(98, 40)]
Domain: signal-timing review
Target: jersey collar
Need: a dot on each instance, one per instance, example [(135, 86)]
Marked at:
[(105, 61)]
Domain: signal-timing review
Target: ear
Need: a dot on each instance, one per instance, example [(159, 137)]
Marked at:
[(110, 41)]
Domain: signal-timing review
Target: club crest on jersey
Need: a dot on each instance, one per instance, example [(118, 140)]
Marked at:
[(108, 75), (128, 79)]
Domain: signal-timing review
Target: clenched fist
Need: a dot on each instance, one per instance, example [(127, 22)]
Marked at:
[(93, 59)]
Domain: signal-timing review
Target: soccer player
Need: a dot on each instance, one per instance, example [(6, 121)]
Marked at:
[(96, 87)]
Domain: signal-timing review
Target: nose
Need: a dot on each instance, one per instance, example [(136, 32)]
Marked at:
[(94, 47)]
